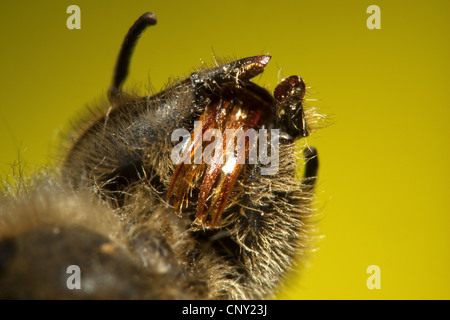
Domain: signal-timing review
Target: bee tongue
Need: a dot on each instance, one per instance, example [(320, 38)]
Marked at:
[(209, 182)]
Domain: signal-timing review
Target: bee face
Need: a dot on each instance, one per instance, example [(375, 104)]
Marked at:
[(231, 211)]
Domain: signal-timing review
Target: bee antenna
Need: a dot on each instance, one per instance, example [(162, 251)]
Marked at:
[(126, 51)]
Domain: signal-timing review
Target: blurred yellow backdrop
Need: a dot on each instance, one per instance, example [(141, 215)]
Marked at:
[(384, 187)]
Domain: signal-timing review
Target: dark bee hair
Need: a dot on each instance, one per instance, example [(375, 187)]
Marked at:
[(141, 226)]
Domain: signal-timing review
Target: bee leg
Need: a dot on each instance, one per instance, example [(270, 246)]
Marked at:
[(126, 51), (311, 168)]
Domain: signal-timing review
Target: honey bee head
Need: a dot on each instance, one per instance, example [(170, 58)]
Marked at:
[(222, 117)]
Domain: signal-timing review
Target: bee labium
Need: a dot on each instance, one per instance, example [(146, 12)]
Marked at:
[(140, 225)]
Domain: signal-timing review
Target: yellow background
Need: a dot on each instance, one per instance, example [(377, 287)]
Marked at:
[(384, 176)]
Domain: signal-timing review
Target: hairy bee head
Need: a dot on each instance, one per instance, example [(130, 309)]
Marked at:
[(222, 117), (194, 192)]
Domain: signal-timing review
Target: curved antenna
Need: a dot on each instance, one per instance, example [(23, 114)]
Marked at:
[(123, 61)]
